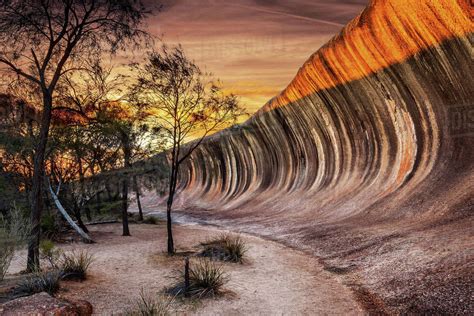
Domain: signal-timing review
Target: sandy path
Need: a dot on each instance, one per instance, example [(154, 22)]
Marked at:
[(276, 280)]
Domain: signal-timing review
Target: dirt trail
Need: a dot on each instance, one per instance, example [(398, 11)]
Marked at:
[(276, 280)]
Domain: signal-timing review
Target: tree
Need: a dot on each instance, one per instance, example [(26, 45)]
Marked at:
[(17, 123), (95, 98), (186, 104), (41, 41)]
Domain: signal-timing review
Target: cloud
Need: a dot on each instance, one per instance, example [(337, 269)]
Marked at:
[(254, 46)]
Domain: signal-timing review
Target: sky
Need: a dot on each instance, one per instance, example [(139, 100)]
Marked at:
[(255, 47)]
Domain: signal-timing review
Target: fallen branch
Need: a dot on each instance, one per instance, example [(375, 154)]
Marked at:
[(68, 218)]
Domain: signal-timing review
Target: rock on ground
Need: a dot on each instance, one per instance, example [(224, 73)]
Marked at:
[(44, 304)]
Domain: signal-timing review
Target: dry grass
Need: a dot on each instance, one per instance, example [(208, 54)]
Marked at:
[(225, 247), (206, 279), (74, 265), (149, 305), (39, 282)]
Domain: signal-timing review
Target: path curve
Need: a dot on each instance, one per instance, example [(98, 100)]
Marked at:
[(277, 280)]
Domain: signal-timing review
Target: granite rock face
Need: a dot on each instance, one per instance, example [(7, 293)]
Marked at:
[(366, 159)]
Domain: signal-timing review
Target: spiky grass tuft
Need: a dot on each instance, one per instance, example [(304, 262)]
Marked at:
[(148, 305), (39, 282), (74, 265), (225, 247), (206, 279)]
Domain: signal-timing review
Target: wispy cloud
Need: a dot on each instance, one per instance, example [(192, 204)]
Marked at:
[(254, 46)]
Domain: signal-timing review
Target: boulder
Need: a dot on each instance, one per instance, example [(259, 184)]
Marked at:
[(44, 304)]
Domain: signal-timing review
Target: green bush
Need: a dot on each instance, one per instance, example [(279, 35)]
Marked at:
[(151, 220), (48, 225), (40, 282), (225, 247), (74, 265), (50, 253)]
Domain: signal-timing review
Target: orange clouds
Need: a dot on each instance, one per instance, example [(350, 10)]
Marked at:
[(254, 46)]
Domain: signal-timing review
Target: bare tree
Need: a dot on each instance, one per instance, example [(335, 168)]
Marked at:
[(186, 104), (41, 41)]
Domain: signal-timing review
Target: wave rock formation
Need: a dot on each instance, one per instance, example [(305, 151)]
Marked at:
[(366, 159)]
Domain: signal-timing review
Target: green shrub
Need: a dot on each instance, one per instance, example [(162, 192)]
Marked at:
[(48, 225), (148, 305), (74, 265), (50, 253), (225, 247), (206, 279), (151, 220), (40, 282)]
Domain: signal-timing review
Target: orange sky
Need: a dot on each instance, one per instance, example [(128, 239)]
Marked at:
[(254, 46)]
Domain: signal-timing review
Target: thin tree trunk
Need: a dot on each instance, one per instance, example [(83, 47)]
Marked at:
[(99, 202), (137, 195), (127, 164), (77, 214), (169, 205), (61, 209), (77, 209), (126, 230), (109, 193), (37, 186), (88, 213)]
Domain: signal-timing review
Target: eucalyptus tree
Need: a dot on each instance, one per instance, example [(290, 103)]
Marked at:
[(186, 104), (41, 41), (96, 99)]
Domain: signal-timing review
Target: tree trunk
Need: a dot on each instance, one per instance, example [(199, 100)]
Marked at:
[(33, 263), (88, 213), (109, 192), (169, 205), (77, 209), (61, 209), (127, 153), (99, 202), (137, 194), (77, 214), (126, 230)]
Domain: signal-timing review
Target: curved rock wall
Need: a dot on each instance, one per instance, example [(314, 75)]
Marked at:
[(366, 159)]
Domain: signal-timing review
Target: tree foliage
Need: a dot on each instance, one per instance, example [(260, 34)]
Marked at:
[(41, 41), (186, 104)]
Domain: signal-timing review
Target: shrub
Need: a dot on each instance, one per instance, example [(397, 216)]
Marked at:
[(49, 227), (13, 235), (40, 282), (50, 253), (74, 265), (206, 279), (148, 305), (6, 256), (225, 247), (151, 220)]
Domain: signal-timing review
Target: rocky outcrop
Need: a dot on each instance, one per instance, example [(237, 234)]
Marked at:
[(44, 304), (366, 159)]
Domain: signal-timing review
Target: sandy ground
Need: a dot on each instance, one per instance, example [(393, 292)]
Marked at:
[(275, 280)]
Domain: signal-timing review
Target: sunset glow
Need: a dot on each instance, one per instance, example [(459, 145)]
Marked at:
[(254, 47)]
